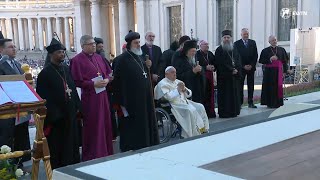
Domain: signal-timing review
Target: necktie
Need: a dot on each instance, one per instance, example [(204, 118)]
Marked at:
[(15, 67), (246, 43)]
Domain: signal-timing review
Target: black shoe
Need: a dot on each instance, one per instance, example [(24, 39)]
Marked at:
[(252, 106)]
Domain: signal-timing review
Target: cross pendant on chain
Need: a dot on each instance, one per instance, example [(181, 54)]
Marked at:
[(68, 91), (145, 74), (98, 74)]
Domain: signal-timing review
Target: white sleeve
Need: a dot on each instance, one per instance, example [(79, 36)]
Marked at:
[(124, 111), (188, 93), (172, 95)]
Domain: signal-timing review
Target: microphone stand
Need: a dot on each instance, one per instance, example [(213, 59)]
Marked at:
[(65, 52)]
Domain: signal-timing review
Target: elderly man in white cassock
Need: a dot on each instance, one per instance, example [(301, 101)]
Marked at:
[(191, 115)]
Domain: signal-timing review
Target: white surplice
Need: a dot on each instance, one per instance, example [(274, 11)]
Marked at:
[(191, 115)]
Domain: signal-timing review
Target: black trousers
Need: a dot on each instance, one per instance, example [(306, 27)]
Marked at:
[(7, 132), (250, 84), (16, 137)]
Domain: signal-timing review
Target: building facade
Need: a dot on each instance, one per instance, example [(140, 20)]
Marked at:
[(31, 23)]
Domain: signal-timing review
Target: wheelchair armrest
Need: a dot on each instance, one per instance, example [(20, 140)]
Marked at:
[(162, 102)]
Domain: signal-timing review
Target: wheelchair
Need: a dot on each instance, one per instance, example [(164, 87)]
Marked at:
[(168, 126)]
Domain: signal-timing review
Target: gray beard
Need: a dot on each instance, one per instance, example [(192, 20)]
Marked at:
[(192, 60), (102, 53), (136, 51), (227, 46)]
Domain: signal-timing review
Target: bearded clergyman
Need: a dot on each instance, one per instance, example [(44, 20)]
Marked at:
[(228, 64)]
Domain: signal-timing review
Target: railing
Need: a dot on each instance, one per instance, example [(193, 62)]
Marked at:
[(36, 4)]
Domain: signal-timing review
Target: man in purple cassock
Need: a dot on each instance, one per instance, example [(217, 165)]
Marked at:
[(91, 73)]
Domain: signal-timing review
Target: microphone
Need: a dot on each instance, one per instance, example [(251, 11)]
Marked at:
[(4, 59)]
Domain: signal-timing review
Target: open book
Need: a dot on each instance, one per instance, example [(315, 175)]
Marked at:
[(17, 92)]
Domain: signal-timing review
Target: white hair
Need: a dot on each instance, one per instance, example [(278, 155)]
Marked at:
[(149, 32), (271, 37), (244, 30), (84, 39)]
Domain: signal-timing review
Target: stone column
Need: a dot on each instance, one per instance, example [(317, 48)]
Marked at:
[(67, 33), (140, 18), (25, 33), (36, 34), (73, 41), (30, 32), (49, 31), (123, 22), (21, 38), (78, 24), (58, 27), (40, 31), (3, 27), (118, 40), (15, 33), (9, 28), (111, 29), (95, 18)]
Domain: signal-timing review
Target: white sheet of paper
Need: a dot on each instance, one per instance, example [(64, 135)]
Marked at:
[(18, 92), (79, 92), (98, 90), (3, 97)]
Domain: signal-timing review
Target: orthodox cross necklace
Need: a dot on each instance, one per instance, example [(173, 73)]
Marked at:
[(233, 63), (65, 84), (140, 64)]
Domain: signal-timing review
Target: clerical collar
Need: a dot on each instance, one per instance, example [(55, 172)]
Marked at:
[(89, 55)]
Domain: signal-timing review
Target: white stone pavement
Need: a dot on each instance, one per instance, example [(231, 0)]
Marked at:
[(245, 111)]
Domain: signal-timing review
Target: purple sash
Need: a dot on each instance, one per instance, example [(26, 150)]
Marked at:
[(278, 64)]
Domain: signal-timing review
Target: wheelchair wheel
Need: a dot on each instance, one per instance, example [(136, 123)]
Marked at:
[(164, 125)]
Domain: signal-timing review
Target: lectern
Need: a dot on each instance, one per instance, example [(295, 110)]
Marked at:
[(16, 109)]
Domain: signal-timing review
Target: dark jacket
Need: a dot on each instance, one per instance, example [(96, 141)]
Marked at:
[(249, 55), (6, 69), (156, 55)]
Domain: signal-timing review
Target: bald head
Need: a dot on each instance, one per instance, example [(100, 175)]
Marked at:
[(245, 33), (273, 40), (150, 38)]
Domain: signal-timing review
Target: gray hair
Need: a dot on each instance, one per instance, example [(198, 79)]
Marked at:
[(244, 30), (149, 32), (271, 37), (84, 39)]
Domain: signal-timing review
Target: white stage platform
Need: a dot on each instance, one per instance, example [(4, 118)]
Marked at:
[(182, 161)]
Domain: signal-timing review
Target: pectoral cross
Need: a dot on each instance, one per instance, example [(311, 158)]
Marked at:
[(145, 74), (98, 74), (68, 91)]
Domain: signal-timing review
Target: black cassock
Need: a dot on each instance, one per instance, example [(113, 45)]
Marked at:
[(228, 84), (134, 92), (61, 124), (206, 59), (195, 82), (269, 93)]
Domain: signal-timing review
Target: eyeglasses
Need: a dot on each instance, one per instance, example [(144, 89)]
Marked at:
[(92, 43)]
